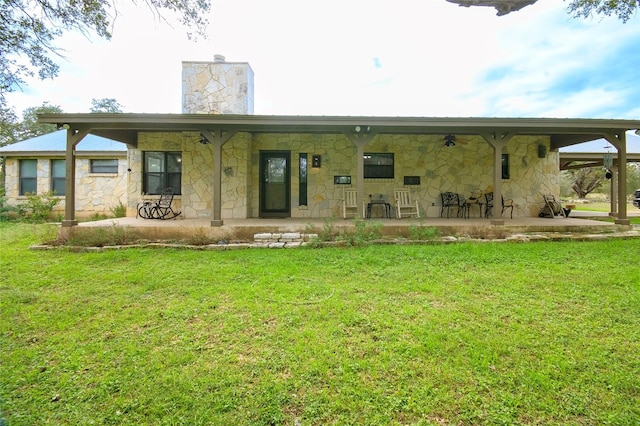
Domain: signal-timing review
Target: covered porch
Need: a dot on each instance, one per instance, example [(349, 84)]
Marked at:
[(203, 135), (244, 230)]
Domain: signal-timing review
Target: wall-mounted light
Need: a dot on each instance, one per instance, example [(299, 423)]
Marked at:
[(316, 161), (450, 140), (204, 140), (228, 171), (542, 151)]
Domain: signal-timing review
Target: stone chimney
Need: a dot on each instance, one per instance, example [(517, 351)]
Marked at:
[(217, 87)]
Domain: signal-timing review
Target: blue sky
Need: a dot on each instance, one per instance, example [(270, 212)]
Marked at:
[(356, 57)]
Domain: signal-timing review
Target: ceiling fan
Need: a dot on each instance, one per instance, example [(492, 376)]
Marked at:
[(452, 140)]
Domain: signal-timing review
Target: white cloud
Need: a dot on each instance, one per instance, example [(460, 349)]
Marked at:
[(356, 57)]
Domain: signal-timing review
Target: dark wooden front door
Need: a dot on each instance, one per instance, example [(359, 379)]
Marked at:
[(275, 184)]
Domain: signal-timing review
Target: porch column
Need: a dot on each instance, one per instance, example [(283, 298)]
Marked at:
[(74, 136), (613, 192), (217, 137), (360, 137), (497, 141), (619, 140)]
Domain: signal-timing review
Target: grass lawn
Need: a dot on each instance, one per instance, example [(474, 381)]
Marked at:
[(461, 334)]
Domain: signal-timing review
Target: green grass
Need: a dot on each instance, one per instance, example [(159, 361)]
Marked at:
[(537, 333)]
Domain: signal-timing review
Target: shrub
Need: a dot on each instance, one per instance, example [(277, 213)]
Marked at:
[(365, 232), (423, 232), (119, 211), (100, 237), (39, 207)]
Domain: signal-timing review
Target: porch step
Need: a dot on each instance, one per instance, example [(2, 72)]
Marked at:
[(282, 239)]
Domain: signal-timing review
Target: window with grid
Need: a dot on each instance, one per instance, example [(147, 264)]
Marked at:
[(28, 176), (105, 165), (378, 165), (58, 176), (162, 169)]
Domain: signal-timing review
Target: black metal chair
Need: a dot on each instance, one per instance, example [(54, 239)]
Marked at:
[(449, 200), (506, 204), (160, 209)]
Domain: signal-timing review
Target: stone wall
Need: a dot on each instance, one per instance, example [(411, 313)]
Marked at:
[(96, 193), (465, 168)]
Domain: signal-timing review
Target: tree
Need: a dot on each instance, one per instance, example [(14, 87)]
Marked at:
[(586, 180), (109, 105), (16, 131), (8, 125), (30, 28), (622, 9)]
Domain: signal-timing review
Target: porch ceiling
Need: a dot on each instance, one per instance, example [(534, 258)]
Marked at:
[(125, 127)]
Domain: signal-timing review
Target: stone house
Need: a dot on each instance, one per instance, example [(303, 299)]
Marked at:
[(227, 163), (38, 165)]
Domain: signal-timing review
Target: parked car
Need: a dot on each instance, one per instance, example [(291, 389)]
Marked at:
[(636, 198)]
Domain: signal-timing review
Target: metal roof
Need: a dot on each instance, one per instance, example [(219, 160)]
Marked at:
[(603, 146), (125, 127), (55, 144)]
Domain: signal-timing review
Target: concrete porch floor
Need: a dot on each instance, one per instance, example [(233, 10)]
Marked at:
[(245, 229)]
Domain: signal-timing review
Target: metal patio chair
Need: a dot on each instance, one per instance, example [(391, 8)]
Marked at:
[(506, 204)]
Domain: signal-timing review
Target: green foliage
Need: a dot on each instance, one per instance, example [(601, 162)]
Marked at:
[(39, 207), (364, 232), (105, 105), (463, 334), (326, 233), (421, 232), (622, 9), (16, 131), (29, 30), (585, 180), (100, 237), (119, 211)]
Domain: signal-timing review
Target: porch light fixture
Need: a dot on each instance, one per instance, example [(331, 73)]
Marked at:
[(449, 140), (362, 130)]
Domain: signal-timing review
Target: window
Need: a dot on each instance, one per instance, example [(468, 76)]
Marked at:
[(505, 166), (28, 176), (58, 176), (378, 165), (162, 170), (104, 166)]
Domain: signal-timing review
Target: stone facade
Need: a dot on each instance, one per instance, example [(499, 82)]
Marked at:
[(217, 87), (465, 168), (96, 193)]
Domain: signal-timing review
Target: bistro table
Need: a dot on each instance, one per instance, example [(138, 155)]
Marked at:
[(379, 202), (473, 201)]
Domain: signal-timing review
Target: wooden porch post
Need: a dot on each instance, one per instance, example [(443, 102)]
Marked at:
[(74, 136), (497, 141), (360, 138), (620, 142), (217, 137)]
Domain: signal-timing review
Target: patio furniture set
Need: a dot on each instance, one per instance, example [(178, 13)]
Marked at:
[(405, 206)]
